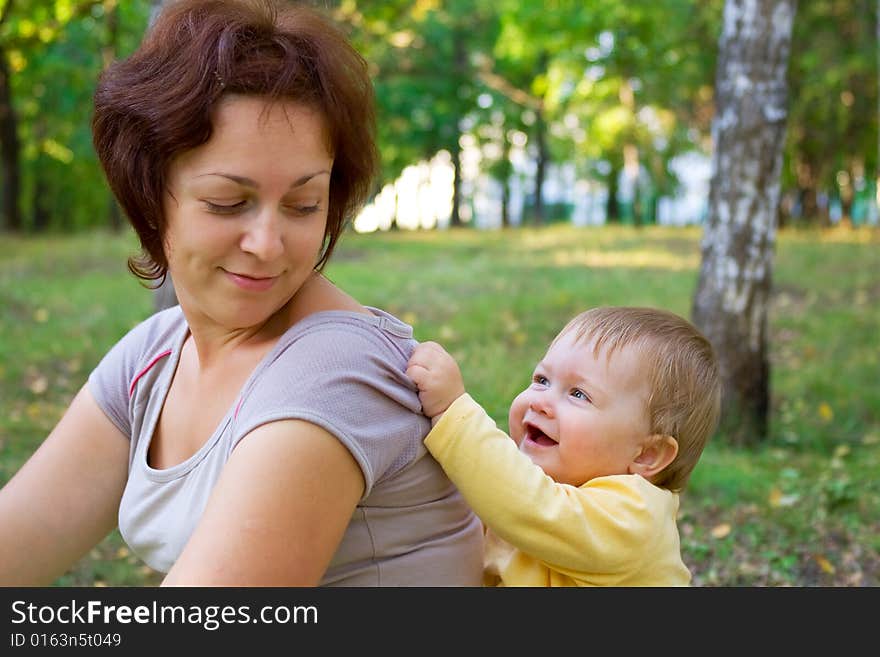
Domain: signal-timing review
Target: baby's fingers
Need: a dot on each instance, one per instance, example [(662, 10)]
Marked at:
[(418, 373)]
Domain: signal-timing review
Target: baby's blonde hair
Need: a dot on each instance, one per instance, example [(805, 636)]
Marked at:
[(685, 387)]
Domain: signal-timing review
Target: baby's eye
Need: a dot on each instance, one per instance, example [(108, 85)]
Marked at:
[(540, 379), (577, 393)]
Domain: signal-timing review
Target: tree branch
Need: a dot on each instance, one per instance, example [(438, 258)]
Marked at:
[(7, 9), (502, 86)]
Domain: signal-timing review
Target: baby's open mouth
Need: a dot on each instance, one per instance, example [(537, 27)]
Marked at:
[(537, 436)]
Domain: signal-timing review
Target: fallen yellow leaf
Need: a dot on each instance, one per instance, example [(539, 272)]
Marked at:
[(776, 499), (825, 412), (825, 565), (720, 531), (39, 385), (41, 315), (511, 326)]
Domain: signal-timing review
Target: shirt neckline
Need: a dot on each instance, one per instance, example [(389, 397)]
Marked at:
[(378, 317)]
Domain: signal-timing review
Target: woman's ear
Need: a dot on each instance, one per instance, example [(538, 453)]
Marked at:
[(658, 451)]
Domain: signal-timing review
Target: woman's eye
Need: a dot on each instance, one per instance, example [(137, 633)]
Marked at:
[(225, 208), (303, 210)]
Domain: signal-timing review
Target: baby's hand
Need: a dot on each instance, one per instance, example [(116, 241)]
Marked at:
[(437, 376)]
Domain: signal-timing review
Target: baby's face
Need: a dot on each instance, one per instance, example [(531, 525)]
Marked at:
[(583, 415)]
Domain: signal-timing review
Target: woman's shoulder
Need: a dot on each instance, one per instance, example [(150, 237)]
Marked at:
[(339, 355), (156, 331), (335, 339), (345, 372), (375, 324), (157, 334), (133, 361)]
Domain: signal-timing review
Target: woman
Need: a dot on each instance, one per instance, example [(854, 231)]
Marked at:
[(263, 432)]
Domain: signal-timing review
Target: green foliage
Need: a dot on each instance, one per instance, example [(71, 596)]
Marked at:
[(833, 95), (422, 55), (802, 509), (57, 51), (590, 77)]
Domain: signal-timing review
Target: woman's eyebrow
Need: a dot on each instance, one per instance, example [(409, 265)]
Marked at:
[(248, 182)]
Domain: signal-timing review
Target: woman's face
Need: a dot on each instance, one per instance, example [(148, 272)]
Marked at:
[(246, 211)]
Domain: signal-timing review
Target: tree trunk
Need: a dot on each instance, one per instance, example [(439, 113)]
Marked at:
[(455, 216), (543, 154), (540, 166), (9, 151), (612, 207), (633, 167), (114, 215), (505, 204), (730, 303), (506, 172), (40, 216), (459, 67)]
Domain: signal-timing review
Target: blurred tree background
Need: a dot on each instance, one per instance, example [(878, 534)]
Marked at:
[(602, 87), (522, 113)]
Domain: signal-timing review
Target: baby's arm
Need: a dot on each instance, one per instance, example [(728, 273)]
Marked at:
[(437, 376), (599, 527)]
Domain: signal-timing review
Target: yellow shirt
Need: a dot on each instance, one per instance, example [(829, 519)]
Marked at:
[(618, 530)]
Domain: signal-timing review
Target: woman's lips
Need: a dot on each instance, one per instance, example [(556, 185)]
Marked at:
[(251, 283)]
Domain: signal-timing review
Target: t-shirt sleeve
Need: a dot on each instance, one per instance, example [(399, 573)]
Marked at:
[(350, 380), (112, 381)]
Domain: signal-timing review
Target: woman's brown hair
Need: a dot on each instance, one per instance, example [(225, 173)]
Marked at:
[(159, 102)]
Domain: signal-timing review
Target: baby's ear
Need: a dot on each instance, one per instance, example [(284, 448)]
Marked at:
[(658, 451)]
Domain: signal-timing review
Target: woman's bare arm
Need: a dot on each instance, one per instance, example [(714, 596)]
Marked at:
[(65, 498), (277, 513)]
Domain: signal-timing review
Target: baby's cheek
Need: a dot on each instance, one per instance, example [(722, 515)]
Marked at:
[(515, 418)]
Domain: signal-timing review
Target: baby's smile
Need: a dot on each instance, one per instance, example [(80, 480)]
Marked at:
[(535, 435)]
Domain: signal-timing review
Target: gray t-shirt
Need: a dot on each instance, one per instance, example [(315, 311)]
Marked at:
[(342, 371)]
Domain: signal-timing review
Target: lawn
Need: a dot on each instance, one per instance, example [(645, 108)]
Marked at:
[(802, 509)]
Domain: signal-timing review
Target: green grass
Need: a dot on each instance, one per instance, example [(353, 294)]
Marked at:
[(802, 509)]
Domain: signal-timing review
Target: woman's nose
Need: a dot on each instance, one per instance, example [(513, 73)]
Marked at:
[(263, 237)]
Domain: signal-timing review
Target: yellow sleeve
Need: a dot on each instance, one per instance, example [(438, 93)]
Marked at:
[(601, 526)]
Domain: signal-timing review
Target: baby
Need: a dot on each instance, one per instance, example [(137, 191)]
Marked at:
[(604, 439)]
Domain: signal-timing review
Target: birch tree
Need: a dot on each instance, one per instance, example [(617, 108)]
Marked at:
[(731, 300)]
